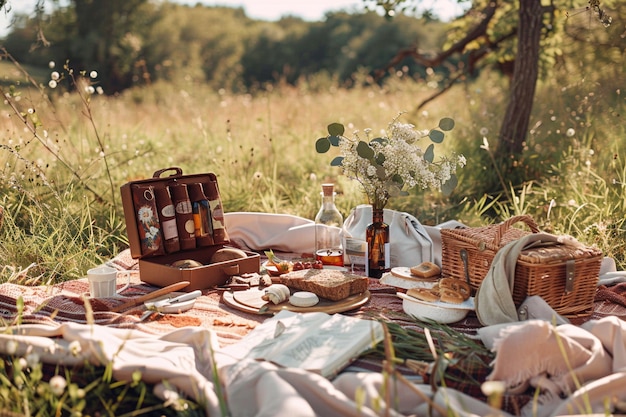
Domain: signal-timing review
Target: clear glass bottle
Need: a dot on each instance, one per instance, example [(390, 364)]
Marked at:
[(328, 223)]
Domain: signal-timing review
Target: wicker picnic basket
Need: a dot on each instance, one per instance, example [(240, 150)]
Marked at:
[(466, 253), (564, 276)]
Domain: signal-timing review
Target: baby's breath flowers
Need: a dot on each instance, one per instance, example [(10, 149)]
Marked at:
[(393, 163)]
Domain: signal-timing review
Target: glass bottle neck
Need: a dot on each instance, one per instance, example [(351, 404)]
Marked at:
[(377, 215), (328, 202)]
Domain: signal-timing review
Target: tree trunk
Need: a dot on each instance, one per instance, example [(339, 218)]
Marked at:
[(517, 117)]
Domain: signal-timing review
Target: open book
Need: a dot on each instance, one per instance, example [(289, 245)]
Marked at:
[(317, 342)]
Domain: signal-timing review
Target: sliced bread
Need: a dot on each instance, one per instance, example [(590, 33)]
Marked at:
[(326, 283)]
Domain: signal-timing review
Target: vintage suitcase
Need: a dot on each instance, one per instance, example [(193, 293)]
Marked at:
[(173, 217)]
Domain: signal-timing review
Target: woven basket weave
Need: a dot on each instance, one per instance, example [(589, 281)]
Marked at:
[(564, 276), (480, 244)]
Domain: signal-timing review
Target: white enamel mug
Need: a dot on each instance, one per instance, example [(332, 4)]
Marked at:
[(103, 282)]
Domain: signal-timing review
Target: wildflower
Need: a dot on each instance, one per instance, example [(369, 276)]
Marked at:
[(99, 90), (51, 64), (312, 177), (55, 76), (57, 385), (32, 359), (89, 89), (75, 348), (570, 132), (52, 84), (484, 131), (93, 74), (257, 176), (485, 144), (11, 347)]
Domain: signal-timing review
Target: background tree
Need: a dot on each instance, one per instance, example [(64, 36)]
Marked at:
[(519, 37)]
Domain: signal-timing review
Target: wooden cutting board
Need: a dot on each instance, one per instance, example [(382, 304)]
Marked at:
[(250, 301)]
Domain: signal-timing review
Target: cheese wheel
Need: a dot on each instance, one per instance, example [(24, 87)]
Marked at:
[(303, 299)]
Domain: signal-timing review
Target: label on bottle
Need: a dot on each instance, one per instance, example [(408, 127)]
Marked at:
[(170, 231), (387, 256)]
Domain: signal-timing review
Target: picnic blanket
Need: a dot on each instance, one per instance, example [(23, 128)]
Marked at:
[(176, 348)]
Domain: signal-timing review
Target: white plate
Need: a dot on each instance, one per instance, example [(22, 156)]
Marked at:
[(405, 272), (406, 283), (436, 311)]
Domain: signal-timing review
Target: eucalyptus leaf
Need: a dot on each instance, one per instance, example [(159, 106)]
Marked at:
[(446, 124), (380, 159), (397, 178), (436, 135), (364, 150), (394, 190), (336, 129), (337, 161), (334, 140), (382, 141), (450, 185), (429, 155), (322, 145)]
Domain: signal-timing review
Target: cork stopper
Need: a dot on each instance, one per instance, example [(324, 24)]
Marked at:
[(328, 190)]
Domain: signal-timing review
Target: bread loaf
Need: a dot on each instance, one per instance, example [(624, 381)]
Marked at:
[(326, 283)]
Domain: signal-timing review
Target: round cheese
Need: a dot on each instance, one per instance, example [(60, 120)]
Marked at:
[(304, 299)]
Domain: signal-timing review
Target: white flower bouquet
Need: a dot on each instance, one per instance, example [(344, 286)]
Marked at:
[(393, 163)]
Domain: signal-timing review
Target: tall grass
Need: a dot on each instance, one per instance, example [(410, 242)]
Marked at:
[(67, 152)]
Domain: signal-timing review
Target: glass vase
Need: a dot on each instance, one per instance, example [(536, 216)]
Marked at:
[(377, 236)]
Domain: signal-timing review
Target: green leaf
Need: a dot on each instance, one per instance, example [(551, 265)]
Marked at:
[(380, 172), (382, 141), (436, 136), (336, 129), (397, 178), (446, 124), (337, 161), (429, 155), (394, 190), (364, 150), (380, 159), (334, 140), (450, 185), (322, 145)]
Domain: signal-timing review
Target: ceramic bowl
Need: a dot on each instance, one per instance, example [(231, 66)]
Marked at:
[(438, 311)]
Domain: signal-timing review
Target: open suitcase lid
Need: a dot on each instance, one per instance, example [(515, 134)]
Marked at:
[(145, 225)]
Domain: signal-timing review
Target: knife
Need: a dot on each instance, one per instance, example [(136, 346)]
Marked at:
[(172, 301), (154, 294)]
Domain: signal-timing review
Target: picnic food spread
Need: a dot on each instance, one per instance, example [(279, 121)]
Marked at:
[(331, 284)]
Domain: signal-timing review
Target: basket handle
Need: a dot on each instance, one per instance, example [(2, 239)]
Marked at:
[(177, 172), (506, 225)]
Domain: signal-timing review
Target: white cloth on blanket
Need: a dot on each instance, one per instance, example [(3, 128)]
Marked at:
[(289, 233), (574, 368), (181, 357), (263, 231), (185, 359)]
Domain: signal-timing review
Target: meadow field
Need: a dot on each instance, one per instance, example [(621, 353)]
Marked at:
[(65, 152)]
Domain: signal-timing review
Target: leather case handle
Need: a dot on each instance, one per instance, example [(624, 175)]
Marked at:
[(177, 172)]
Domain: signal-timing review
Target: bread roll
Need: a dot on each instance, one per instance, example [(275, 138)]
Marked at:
[(227, 254)]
